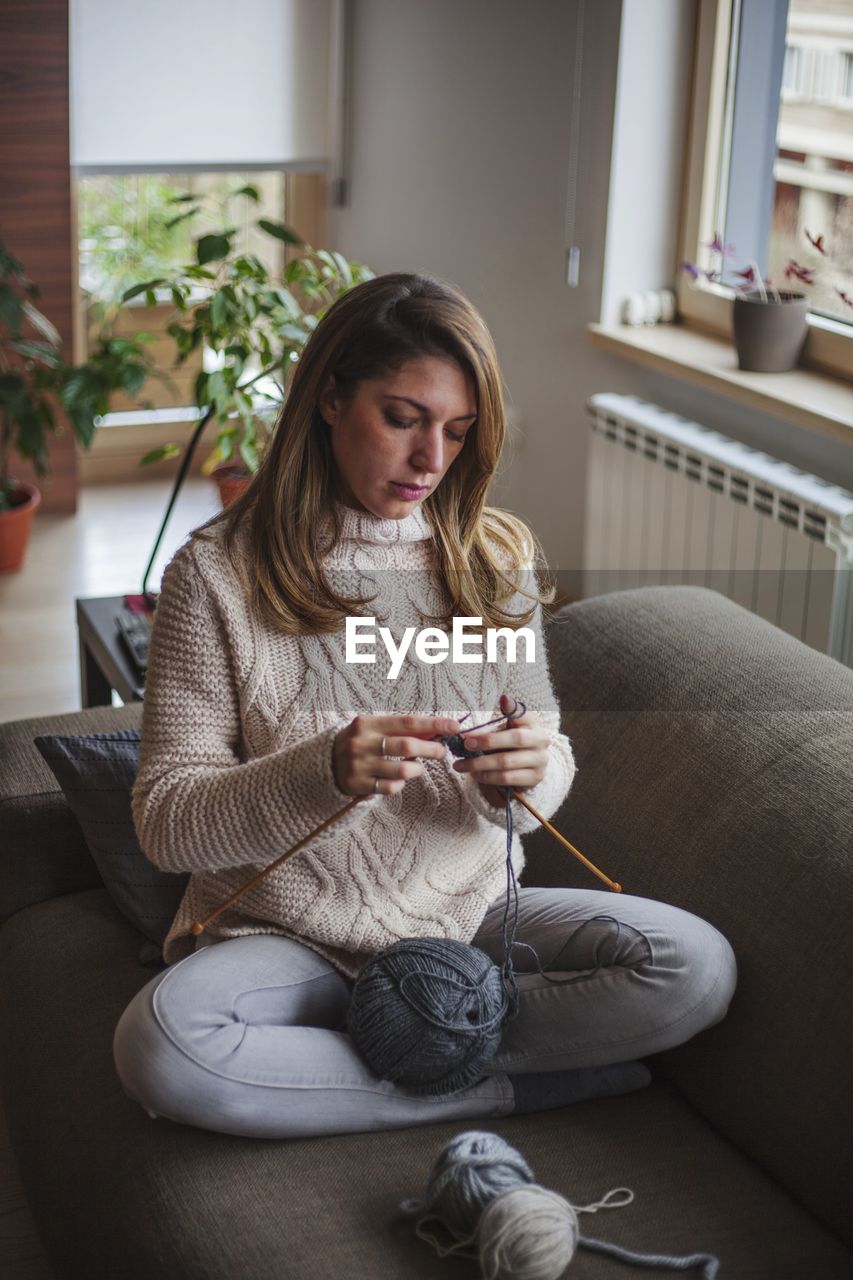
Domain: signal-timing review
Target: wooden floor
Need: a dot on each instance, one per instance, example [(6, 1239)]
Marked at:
[(102, 550)]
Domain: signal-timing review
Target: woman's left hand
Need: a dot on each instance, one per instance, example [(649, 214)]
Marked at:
[(521, 755)]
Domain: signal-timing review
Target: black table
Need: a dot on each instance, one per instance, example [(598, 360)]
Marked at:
[(104, 661)]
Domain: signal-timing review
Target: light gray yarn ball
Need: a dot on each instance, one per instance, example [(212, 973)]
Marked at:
[(527, 1233)]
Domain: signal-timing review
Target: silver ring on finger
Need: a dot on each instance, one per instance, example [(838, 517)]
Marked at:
[(382, 747), (375, 786)]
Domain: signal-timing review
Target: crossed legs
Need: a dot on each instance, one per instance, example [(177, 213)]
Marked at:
[(246, 1036)]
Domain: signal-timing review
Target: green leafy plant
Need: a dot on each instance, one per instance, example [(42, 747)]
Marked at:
[(250, 322), (36, 383)]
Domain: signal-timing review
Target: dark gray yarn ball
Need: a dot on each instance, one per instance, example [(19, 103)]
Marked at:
[(428, 1014)]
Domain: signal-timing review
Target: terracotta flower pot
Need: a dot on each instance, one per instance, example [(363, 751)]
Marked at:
[(15, 525), (769, 335), (231, 481)]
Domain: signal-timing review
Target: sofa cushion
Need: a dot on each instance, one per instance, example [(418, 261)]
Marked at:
[(715, 761), (43, 852), (116, 1193), (96, 772)]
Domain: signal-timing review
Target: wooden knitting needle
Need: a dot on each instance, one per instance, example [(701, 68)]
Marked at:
[(611, 884), (200, 926)]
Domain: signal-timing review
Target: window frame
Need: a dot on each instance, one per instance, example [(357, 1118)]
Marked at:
[(829, 344)]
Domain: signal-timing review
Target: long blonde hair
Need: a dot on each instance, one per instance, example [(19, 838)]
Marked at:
[(370, 332)]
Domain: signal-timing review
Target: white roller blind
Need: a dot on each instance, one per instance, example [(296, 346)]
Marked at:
[(199, 82)]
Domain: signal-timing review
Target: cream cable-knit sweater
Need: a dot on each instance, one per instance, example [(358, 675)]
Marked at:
[(236, 759)]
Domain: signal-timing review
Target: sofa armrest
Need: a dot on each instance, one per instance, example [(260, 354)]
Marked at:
[(42, 852), (715, 756)]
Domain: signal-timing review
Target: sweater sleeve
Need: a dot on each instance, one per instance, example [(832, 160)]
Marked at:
[(530, 683), (197, 804)]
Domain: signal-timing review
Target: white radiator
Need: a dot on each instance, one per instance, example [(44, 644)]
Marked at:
[(671, 501)]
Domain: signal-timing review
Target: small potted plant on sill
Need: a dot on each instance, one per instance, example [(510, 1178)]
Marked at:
[(251, 327), (769, 324), (36, 385)]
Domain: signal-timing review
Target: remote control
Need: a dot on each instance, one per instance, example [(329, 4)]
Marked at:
[(135, 631)]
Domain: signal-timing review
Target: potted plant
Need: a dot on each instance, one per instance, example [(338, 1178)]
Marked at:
[(36, 384), (769, 324), (251, 325)]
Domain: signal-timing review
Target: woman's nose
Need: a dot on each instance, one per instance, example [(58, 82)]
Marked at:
[(428, 454)]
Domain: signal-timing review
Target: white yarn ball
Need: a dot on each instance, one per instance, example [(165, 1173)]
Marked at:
[(527, 1233)]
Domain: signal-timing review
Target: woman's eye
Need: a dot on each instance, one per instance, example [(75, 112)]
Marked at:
[(457, 439), (401, 423)]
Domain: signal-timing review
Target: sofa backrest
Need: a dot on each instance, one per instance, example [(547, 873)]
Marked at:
[(715, 759)]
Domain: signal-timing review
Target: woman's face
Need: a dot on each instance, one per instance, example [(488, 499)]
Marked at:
[(394, 440)]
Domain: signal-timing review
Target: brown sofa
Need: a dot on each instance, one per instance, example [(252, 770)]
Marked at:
[(715, 762)]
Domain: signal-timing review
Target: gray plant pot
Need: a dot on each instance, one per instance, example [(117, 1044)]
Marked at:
[(769, 335)]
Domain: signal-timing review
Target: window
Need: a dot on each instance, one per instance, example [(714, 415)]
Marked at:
[(123, 219), (826, 62), (793, 75), (125, 235), (124, 238), (847, 80), (272, 118), (771, 161)]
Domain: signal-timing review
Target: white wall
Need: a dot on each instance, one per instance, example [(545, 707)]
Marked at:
[(459, 141), (649, 140), (459, 136)]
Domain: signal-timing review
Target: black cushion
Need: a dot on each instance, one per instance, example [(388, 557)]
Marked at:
[(43, 852), (96, 772)]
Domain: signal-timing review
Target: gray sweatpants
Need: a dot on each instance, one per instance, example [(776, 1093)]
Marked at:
[(245, 1036)]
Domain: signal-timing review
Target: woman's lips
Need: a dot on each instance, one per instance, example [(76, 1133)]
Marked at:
[(410, 492)]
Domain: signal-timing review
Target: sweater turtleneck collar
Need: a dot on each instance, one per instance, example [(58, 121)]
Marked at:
[(364, 527)]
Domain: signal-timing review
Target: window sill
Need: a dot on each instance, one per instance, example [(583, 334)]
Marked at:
[(117, 447), (811, 400)]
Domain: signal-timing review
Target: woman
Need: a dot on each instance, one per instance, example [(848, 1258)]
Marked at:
[(370, 503)]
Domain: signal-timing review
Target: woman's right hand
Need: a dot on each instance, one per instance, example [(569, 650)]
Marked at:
[(380, 754)]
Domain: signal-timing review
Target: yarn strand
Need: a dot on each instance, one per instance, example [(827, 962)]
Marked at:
[(511, 942), (457, 744), (608, 1201), (707, 1261)]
